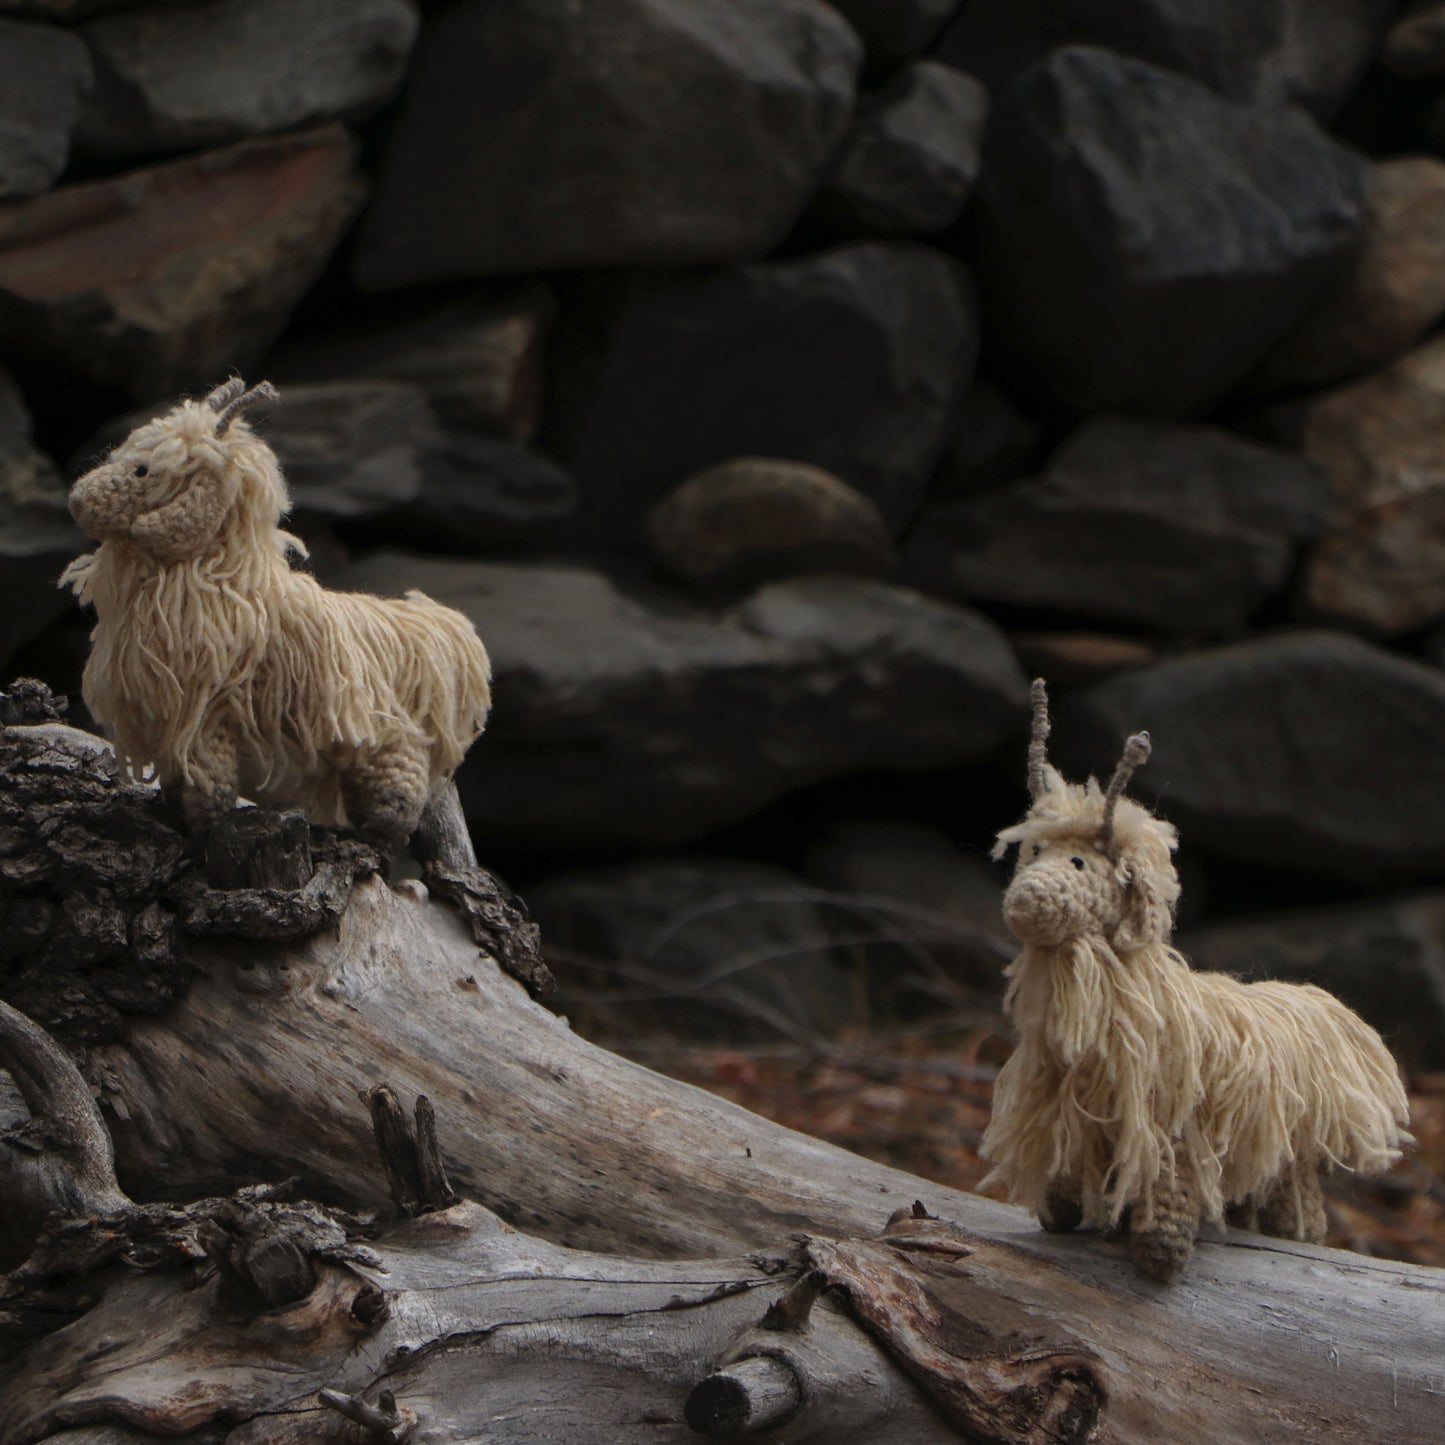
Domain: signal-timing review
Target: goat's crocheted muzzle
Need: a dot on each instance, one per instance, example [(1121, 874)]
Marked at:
[(100, 505), (1052, 899)]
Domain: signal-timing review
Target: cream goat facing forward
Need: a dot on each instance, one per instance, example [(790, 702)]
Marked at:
[(1143, 1094), (224, 672)]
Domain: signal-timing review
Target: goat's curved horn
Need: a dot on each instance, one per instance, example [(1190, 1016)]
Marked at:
[(228, 391), (262, 391), (1038, 738), (1136, 754)]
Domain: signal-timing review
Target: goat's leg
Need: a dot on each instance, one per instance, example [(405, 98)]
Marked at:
[(1165, 1224), (1295, 1208), (1314, 1223), (1063, 1207), (211, 791), (385, 791)]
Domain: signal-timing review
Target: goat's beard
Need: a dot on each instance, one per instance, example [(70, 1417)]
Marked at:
[(173, 641), (1103, 1083)]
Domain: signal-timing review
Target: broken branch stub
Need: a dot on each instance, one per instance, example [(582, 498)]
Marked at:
[(436, 1188), (382, 1423), (793, 1310), (415, 1173), (743, 1398)]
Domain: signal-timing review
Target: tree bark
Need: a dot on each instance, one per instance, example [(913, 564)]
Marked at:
[(973, 1326)]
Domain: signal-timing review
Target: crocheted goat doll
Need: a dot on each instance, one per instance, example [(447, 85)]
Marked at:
[(1140, 1090), (223, 671)]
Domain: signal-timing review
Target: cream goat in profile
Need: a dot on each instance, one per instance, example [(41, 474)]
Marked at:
[(223, 671), (1141, 1091)]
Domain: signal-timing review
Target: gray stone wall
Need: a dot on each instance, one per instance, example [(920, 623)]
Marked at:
[(780, 384)]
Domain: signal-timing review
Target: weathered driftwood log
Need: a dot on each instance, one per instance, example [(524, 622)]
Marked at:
[(258, 1321), (456, 1328), (257, 1068)]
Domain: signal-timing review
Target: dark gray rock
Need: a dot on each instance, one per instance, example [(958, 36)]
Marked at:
[(352, 449), (173, 78), (1145, 241), (851, 359), (1391, 296), (1385, 958), (934, 911), (1177, 529), (477, 354), (911, 158), (477, 492), (896, 29), (44, 75), (68, 11), (28, 475), (1432, 645), (171, 276), (755, 518), (37, 537), (901, 859), (991, 440), (542, 135), (1072, 659), (372, 453), (627, 720), (1308, 752), (713, 948), (1261, 52)]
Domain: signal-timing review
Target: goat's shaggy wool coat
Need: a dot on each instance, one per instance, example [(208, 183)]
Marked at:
[(1135, 1074), (219, 668)]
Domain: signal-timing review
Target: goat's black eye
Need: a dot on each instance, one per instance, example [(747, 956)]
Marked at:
[(1038, 848), (1077, 862), (142, 470)]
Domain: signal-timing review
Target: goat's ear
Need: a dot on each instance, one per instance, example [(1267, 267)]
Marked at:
[(181, 527), (1147, 915)]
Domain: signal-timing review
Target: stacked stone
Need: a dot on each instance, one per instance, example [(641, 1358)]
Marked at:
[(779, 383)]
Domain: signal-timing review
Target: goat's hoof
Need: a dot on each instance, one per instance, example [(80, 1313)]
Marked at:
[(1160, 1257), (1242, 1214), (1061, 1214)]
